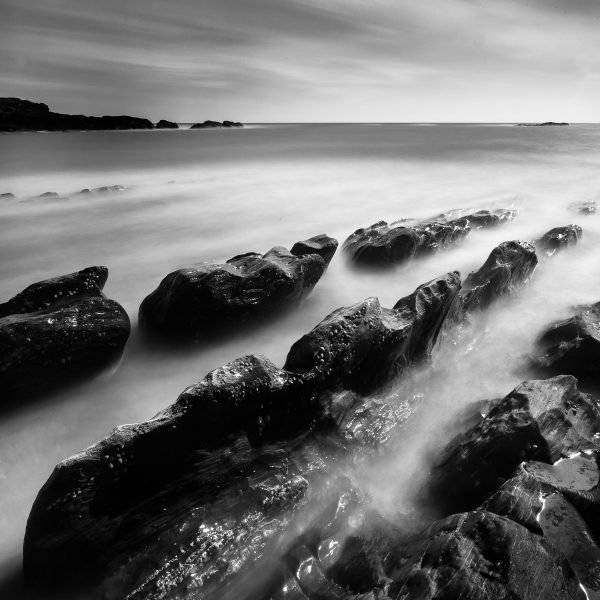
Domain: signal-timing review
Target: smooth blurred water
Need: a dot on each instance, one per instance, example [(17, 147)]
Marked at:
[(206, 195)]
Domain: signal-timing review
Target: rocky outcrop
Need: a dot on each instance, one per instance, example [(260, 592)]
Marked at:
[(218, 477), (540, 420), (57, 331), (508, 267), (384, 244), (216, 125), (572, 346), (559, 238), (321, 244), (162, 124), (23, 115), (200, 301), (7, 195)]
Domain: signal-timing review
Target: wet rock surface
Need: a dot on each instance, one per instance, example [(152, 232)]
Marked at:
[(57, 331), (384, 244), (572, 346), (584, 208), (507, 268), (193, 302), (23, 115), (559, 238), (217, 477)]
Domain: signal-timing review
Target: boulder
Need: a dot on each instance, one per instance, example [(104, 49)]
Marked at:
[(162, 124), (7, 195), (584, 208), (216, 478), (322, 244), (23, 115), (559, 238), (334, 351), (509, 266), (216, 124), (540, 420), (383, 244), (572, 346), (196, 302), (232, 124), (48, 195), (57, 331)]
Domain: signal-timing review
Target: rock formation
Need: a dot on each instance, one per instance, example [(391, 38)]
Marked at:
[(559, 238), (162, 124), (216, 125)]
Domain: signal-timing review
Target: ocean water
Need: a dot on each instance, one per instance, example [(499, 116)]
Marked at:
[(206, 195)]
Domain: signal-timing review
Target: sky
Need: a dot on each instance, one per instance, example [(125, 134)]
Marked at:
[(306, 60)]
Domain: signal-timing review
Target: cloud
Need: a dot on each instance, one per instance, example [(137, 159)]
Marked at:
[(293, 60)]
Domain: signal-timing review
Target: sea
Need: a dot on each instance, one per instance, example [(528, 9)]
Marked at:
[(194, 196)]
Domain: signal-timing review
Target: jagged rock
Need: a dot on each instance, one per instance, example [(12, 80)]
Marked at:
[(7, 195), (584, 208), (109, 188), (572, 346), (334, 351), (558, 238), (382, 244), (479, 555), (101, 516), (541, 420), (321, 244), (162, 124), (508, 266), (23, 115), (57, 331), (193, 302), (232, 124)]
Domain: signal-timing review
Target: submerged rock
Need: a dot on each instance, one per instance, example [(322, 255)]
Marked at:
[(57, 331), (584, 208), (572, 346), (193, 302), (216, 478), (23, 115), (508, 266), (48, 195), (559, 238), (162, 124), (383, 244), (541, 420), (7, 195)]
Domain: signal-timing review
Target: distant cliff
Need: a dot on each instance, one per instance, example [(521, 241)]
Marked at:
[(215, 124), (23, 115)]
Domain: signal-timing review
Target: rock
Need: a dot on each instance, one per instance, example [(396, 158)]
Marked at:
[(547, 124), (230, 461), (7, 195), (162, 124), (540, 420), (23, 115), (334, 351), (48, 195), (109, 188), (559, 238), (479, 555), (584, 208), (322, 244), (58, 331), (572, 346), (196, 302), (84, 191), (508, 266), (383, 244)]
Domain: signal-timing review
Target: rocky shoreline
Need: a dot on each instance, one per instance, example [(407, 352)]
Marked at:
[(236, 488), (23, 115)]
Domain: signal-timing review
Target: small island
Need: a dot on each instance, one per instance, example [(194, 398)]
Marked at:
[(23, 115), (547, 124)]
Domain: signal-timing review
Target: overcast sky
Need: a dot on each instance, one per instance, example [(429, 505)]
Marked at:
[(306, 60)]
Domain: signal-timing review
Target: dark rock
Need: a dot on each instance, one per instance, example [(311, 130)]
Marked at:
[(162, 124), (57, 331), (558, 238), (193, 302), (508, 266), (584, 208), (7, 195), (109, 188), (541, 420), (546, 124), (232, 124), (48, 195), (23, 115), (383, 244), (479, 555), (322, 244), (207, 125), (334, 351), (572, 346), (84, 191)]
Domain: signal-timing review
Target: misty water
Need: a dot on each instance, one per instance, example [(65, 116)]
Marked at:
[(206, 195)]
